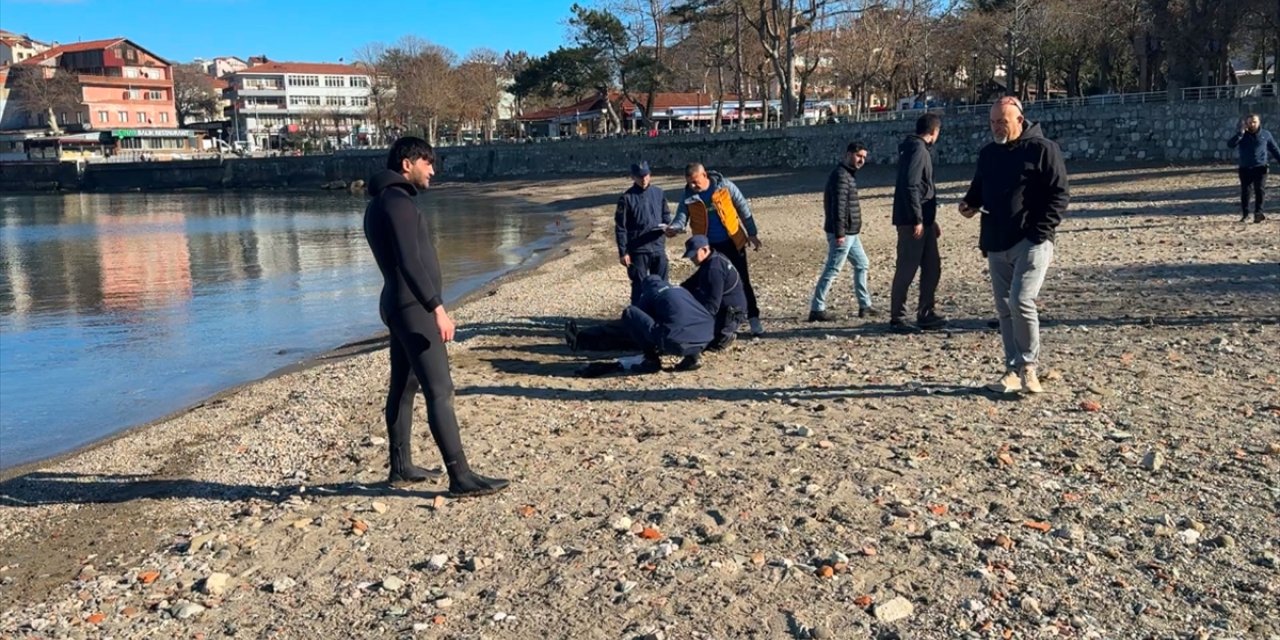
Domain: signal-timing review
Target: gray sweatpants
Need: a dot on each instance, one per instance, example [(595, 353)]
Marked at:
[(1016, 277)]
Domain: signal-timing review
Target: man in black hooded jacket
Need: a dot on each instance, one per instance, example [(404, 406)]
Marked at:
[(1021, 182), (413, 310), (915, 214)]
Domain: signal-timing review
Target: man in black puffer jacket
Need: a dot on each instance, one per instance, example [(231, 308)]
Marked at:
[(1021, 182), (843, 223)]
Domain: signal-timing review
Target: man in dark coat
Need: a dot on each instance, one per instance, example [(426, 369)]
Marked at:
[(640, 224), (718, 286), (1254, 144), (915, 212), (843, 224)]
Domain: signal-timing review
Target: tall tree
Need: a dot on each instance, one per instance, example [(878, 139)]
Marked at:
[(630, 57), (478, 80), (194, 96), (45, 91)]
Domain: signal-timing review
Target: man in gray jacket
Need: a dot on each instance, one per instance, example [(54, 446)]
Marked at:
[(843, 224), (915, 213)]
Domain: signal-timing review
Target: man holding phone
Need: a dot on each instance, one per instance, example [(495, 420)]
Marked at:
[(1021, 181)]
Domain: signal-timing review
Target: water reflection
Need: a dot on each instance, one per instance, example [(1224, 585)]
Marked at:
[(144, 303)]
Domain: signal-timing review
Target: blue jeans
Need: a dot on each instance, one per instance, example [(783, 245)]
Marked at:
[(852, 251)]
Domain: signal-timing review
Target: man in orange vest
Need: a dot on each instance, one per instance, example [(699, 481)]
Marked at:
[(713, 206)]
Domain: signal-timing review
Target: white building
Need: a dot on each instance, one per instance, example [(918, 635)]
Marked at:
[(15, 48), (278, 105)]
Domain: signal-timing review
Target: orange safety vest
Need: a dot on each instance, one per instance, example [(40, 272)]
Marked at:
[(723, 204)]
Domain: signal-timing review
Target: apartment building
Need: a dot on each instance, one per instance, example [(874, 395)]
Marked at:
[(123, 86), (16, 47), (277, 104)]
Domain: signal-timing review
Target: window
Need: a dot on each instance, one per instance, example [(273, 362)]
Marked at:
[(359, 101), (304, 81), (335, 101), (79, 117), (142, 117), (155, 95), (359, 81), (123, 116), (130, 72), (134, 94), (335, 81), (304, 101), (104, 117), (164, 117)]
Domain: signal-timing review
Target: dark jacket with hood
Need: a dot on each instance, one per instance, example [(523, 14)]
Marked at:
[(840, 202), (915, 200), (1254, 148), (401, 242), (685, 320), (716, 285), (1023, 187), (636, 220)]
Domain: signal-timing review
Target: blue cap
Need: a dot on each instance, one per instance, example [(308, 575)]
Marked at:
[(692, 245), (640, 169)]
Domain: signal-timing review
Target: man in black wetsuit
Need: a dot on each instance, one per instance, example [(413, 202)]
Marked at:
[(413, 311)]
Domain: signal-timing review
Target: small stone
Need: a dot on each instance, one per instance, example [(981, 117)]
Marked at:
[(198, 542), (1267, 559), (215, 584), (803, 432), (437, 503), (974, 605), (894, 610), (499, 616), (556, 552), (1224, 541), (1153, 461), (622, 524), (1189, 536), (282, 584), (443, 603), (374, 441), (379, 507), (624, 586), (186, 609), (438, 561), (392, 583), (1030, 605), (1073, 532)]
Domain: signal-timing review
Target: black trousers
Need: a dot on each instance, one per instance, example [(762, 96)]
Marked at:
[(419, 361), (738, 258), (606, 336), (1253, 179), (645, 264), (916, 255)]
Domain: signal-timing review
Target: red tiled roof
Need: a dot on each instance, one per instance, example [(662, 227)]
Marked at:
[(89, 45), (305, 67), (587, 104)]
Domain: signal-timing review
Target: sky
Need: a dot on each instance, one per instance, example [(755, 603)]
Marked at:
[(292, 30)]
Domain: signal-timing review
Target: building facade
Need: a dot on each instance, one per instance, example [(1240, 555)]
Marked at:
[(287, 105), (15, 48), (122, 85)]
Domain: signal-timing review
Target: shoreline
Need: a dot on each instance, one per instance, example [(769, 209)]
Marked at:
[(352, 348), (706, 503)]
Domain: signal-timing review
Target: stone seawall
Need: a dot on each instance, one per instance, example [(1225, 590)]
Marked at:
[(1173, 132)]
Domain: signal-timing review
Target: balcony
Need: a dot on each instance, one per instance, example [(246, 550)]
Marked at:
[(260, 92)]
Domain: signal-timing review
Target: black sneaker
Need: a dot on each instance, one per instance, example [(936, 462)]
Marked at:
[(689, 363), (412, 475), (931, 323), (869, 312), (820, 316), (651, 364), (1258, 217), (898, 326), (476, 485), (723, 343)]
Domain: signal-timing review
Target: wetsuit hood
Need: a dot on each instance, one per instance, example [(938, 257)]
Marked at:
[(387, 178)]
